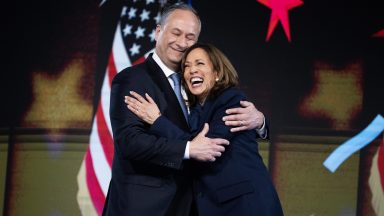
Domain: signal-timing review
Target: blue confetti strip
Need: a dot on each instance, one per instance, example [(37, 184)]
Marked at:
[(345, 150)]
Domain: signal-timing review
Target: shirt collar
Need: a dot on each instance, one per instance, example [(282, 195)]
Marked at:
[(168, 72)]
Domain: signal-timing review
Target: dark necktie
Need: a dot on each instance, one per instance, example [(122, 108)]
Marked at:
[(176, 81)]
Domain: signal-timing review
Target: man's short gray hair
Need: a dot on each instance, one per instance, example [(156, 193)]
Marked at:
[(167, 10)]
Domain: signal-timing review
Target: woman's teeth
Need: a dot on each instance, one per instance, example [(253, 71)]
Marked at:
[(196, 80)]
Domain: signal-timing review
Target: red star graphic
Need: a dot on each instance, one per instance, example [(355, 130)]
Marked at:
[(379, 34), (280, 13)]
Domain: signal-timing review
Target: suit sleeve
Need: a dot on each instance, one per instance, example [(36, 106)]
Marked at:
[(165, 128), (132, 138), (217, 127), (229, 99)]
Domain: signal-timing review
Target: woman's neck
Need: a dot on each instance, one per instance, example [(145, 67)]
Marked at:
[(201, 99)]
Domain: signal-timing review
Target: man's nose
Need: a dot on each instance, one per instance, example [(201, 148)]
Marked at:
[(182, 42)]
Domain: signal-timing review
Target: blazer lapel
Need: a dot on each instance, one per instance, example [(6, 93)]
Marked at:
[(158, 76)]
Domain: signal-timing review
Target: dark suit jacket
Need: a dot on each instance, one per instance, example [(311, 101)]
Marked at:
[(149, 176), (237, 183)]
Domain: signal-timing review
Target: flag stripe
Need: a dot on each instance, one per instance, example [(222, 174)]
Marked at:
[(96, 193), (111, 71), (138, 61), (101, 166), (120, 56), (380, 164), (105, 98), (83, 195), (104, 136)]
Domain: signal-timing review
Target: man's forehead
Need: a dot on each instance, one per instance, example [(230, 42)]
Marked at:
[(184, 15)]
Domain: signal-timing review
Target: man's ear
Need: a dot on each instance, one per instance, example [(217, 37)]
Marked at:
[(157, 31)]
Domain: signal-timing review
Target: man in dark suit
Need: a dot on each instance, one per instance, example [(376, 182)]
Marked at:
[(150, 174)]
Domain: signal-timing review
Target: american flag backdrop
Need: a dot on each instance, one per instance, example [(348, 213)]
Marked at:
[(134, 38)]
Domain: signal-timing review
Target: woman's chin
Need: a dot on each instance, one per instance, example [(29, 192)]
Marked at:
[(195, 92)]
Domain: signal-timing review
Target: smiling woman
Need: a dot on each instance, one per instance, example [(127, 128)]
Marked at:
[(207, 72)]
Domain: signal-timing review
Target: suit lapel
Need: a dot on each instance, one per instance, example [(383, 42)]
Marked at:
[(173, 111)]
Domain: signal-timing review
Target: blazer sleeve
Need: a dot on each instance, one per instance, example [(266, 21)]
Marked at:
[(165, 128), (132, 137), (229, 99), (217, 128)]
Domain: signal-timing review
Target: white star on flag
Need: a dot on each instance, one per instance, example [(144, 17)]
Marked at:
[(134, 49), (139, 32), (144, 15), (132, 13), (127, 30)]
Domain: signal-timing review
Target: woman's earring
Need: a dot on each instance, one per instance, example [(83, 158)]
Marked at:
[(217, 79)]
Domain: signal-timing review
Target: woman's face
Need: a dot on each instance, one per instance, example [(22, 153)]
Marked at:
[(199, 74)]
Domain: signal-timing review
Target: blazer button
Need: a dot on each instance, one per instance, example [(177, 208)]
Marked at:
[(200, 194), (170, 164)]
